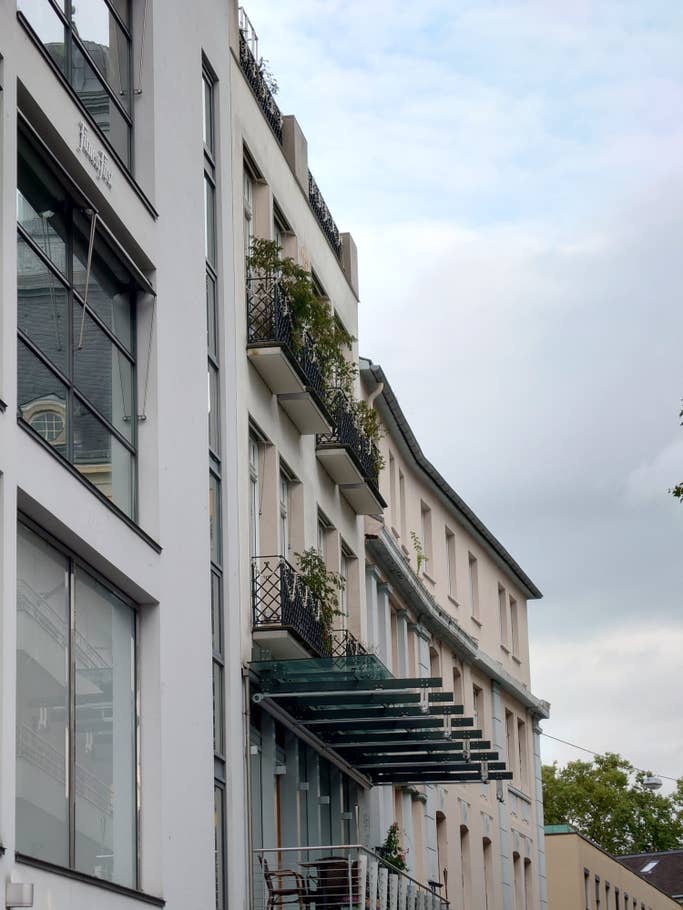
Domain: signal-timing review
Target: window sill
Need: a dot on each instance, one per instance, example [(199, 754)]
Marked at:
[(3, 406), (90, 880), (428, 578), (395, 533), (476, 621), (517, 660), (135, 186), (453, 600), (504, 648), (89, 486)]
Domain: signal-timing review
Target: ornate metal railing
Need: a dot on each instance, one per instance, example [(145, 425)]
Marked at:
[(270, 322), (253, 71), (280, 597), (323, 214), (347, 433), (345, 644)]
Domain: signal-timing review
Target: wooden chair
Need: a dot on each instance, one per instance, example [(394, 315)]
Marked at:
[(279, 894)]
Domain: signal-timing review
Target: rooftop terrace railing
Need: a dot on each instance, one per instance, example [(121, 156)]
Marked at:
[(323, 214), (255, 73)]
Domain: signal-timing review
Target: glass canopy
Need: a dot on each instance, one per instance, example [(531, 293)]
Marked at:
[(392, 730)]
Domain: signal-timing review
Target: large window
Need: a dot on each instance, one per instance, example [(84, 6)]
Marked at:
[(76, 353), (90, 44), (76, 720)]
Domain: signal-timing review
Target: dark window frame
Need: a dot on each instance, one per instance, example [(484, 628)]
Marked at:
[(74, 300), (76, 562), (70, 35)]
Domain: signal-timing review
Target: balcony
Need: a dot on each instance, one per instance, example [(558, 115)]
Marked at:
[(350, 459), (286, 615), (253, 69), (285, 362), (337, 878)]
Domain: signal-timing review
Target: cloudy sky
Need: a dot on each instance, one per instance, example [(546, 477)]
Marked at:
[(513, 175)]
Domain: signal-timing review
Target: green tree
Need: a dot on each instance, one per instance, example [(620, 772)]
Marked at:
[(606, 800)]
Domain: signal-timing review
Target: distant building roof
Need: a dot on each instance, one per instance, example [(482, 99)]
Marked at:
[(664, 870)]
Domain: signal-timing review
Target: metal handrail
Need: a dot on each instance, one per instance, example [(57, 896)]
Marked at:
[(360, 848), (253, 71)]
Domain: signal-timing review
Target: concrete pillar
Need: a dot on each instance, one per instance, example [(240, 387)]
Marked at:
[(402, 643), (381, 811), (408, 835), (540, 831), (505, 857), (290, 830), (384, 625), (268, 780), (371, 581), (313, 802)]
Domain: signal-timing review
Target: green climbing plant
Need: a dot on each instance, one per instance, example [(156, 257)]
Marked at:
[(326, 586)]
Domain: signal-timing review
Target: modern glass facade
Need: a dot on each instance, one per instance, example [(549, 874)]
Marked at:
[(76, 321), (76, 716)]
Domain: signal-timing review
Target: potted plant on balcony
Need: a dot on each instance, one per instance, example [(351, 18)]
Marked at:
[(326, 586), (311, 317), (391, 850)]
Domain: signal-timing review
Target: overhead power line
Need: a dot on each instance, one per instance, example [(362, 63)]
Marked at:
[(592, 752)]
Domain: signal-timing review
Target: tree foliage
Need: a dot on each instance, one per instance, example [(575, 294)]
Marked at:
[(606, 800)]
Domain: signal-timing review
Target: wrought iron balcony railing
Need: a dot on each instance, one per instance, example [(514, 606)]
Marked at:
[(347, 433), (269, 322), (282, 599), (344, 644), (323, 214), (253, 71)]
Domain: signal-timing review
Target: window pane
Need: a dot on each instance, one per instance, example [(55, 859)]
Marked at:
[(214, 413), (104, 733), (218, 743), (101, 458), (218, 841), (106, 43), (103, 373), (90, 89), (41, 207), (42, 306), (109, 286), (48, 26), (211, 321), (216, 613), (207, 110), (215, 518), (42, 399), (210, 221), (42, 700)]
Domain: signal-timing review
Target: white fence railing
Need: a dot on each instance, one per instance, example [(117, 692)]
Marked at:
[(336, 878)]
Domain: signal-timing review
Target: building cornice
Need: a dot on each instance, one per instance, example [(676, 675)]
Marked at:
[(388, 406), (385, 552)]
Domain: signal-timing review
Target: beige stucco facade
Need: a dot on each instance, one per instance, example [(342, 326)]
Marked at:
[(582, 876)]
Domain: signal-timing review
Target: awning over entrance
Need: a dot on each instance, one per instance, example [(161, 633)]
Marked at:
[(391, 730)]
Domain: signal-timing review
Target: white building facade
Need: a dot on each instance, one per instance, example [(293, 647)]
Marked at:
[(180, 727)]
